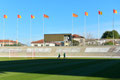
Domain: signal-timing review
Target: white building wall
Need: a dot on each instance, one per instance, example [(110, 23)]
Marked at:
[(32, 44), (76, 39), (51, 44), (41, 44)]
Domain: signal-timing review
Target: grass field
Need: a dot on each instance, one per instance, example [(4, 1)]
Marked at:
[(59, 69)]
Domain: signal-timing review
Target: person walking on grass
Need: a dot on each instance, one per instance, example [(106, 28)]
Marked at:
[(59, 56), (64, 55)]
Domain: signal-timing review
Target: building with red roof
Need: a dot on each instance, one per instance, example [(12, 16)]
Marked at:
[(41, 43), (58, 40), (54, 40), (7, 42), (78, 38)]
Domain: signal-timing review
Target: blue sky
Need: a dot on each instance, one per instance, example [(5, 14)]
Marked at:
[(60, 13)]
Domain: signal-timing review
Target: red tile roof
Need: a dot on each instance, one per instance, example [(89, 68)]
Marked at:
[(42, 40), (39, 41), (8, 41), (77, 36)]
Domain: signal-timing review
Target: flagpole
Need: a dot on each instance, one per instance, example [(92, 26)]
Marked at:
[(30, 31), (17, 33), (72, 23), (113, 31), (43, 30), (72, 26), (3, 31), (98, 27), (84, 28)]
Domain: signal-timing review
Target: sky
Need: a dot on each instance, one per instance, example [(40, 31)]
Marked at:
[(60, 17)]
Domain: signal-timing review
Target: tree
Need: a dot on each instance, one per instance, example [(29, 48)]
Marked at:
[(75, 43), (109, 35), (109, 43), (19, 44), (89, 36)]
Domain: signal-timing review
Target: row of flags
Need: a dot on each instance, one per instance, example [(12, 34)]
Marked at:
[(74, 15), (99, 12), (32, 16)]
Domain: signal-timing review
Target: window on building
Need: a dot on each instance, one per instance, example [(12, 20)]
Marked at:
[(36, 45), (47, 44)]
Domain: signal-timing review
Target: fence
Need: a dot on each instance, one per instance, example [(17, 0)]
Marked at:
[(91, 51)]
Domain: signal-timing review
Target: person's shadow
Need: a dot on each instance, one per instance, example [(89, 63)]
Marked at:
[(105, 68)]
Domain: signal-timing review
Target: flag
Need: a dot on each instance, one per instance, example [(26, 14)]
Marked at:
[(86, 13), (100, 12), (32, 16), (75, 15), (114, 11), (5, 16), (18, 16), (45, 16)]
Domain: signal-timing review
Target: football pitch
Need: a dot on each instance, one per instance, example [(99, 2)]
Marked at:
[(59, 69)]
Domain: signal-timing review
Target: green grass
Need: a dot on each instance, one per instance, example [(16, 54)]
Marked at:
[(59, 69)]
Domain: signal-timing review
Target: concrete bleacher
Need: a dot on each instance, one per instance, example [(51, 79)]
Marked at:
[(54, 51)]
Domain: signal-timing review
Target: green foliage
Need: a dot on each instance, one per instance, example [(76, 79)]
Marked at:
[(75, 43), (109, 43), (19, 44), (109, 35)]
